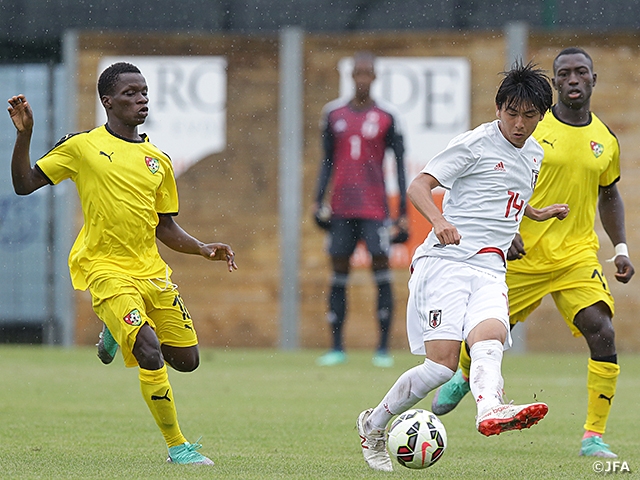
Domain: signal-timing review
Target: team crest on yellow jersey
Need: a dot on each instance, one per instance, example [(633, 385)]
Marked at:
[(597, 148), (152, 164), (133, 318)]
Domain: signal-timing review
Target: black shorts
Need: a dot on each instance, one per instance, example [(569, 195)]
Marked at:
[(345, 233)]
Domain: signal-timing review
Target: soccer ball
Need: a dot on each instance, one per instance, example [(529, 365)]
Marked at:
[(417, 439)]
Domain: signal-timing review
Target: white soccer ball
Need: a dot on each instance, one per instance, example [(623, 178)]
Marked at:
[(417, 439)]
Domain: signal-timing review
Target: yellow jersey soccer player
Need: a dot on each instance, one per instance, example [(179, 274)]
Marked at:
[(128, 195), (581, 168)]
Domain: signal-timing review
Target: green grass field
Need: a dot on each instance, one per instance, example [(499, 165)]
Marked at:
[(266, 414)]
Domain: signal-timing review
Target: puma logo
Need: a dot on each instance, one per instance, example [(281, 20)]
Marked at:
[(108, 155), (164, 397), (595, 274), (608, 399), (550, 143)]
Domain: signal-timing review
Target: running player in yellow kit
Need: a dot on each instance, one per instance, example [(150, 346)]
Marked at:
[(581, 168), (128, 194)]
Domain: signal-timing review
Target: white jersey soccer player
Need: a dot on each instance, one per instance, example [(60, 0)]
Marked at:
[(474, 168), (457, 289)]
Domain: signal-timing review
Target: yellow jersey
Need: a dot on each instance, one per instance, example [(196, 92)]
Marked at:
[(577, 161), (123, 185)]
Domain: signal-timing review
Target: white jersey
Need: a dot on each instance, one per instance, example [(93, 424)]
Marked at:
[(489, 183)]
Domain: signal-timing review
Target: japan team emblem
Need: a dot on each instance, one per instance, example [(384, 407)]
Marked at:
[(133, 318), (435, 317), (596, 148), (152, 164)]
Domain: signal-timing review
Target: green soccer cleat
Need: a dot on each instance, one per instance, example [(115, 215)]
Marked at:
[(186, 454), (382, 360), (448, 396), (595, 447), (331, 358), (107, 346)]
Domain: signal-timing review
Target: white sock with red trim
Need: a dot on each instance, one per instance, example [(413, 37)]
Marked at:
[(412, 386), (485, 377)]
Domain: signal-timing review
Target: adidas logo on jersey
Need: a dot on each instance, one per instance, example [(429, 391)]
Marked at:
[(500, 167)]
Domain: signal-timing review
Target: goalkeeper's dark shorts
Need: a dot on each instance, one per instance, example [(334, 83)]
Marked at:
[(345, 233)]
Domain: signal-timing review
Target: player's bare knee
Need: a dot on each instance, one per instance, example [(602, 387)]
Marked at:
[(146, 349), (490, 329), (604, 339), (445, 353), (592, 323), (184, 366), (148, 358), (182, 359), (148, 354)]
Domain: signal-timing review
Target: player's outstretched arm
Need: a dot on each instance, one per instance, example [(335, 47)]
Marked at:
[(174, 237), (220, 251), (26, 179), (557, 210)]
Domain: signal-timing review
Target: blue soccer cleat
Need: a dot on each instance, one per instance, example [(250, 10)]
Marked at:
[(331, 358), (449, 395), (186, 454), (382, 360), (595, 447)]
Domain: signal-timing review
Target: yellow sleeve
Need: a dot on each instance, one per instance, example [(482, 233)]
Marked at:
[(612, 173), (63, 160)]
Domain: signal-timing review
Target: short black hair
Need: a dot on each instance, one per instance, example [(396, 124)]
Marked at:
[(525, 84), (109, 77), (572, 51)]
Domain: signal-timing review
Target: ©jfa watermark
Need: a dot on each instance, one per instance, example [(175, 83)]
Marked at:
[(611, 466)]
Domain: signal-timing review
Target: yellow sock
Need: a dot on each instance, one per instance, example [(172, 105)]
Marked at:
[(465, 360), (157, 392), (601, 387)]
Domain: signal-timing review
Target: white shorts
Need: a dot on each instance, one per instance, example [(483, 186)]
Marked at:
[(448, 299)]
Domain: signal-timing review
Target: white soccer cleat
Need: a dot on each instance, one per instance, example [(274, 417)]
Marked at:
[(374, 445), (503, 418)]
